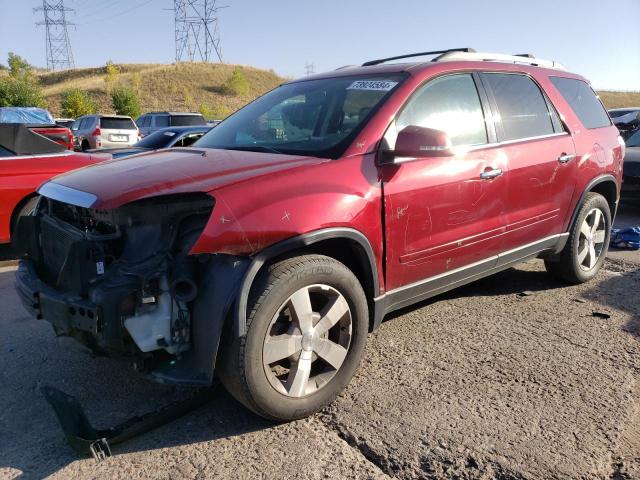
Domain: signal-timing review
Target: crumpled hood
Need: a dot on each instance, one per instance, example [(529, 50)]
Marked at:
[(119, 181)]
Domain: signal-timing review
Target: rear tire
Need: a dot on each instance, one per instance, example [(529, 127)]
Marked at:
[(306, 331), (85, 146), (586, 248)]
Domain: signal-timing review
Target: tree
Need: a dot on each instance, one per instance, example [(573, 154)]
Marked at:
[(237, 83), (21, 88), (18, 66), (113, 73), (125, 102), (76, 102)]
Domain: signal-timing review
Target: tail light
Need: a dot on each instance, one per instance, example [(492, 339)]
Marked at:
[(96, 132)]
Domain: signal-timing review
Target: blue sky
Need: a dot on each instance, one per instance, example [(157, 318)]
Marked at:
[(598, 39)]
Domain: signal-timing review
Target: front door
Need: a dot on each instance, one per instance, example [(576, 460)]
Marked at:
[(443, 213)]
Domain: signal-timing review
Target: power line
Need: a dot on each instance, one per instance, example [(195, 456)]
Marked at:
[(59, 54), (196, 30)]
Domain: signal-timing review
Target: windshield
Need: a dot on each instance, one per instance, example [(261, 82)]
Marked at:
[(619, 113), (633, 140), (160, 139), (316, 117)]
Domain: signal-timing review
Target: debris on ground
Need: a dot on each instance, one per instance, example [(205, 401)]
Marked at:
[(628, 238)]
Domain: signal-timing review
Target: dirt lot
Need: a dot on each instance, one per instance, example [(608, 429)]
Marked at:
[(511, 377)]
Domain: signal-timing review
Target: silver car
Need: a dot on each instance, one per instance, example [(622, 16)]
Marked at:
[(104, 131)]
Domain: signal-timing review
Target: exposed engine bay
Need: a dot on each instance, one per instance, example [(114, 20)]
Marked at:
[(120, 281)]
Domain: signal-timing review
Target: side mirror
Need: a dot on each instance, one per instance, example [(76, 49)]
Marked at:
[(420, 142)]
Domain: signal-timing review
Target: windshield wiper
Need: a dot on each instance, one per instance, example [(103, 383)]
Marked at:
[(255, 148)]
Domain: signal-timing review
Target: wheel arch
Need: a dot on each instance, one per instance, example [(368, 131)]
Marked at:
[(605, 185), (17, 209), (346, 245)]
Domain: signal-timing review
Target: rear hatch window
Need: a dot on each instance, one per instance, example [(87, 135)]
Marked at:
[(187, 120), (112, 123)]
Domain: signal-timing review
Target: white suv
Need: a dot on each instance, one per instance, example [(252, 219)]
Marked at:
[(104, 131)]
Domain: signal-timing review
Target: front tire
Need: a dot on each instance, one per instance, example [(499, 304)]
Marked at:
[(306, 330), (586, 248)]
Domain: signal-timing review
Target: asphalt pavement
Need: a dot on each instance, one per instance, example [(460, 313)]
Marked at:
[(514, 376)]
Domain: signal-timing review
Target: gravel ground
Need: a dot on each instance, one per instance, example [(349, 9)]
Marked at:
[(510, 377)]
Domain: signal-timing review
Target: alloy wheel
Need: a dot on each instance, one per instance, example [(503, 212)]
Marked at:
[(591, 239), (307, 340)]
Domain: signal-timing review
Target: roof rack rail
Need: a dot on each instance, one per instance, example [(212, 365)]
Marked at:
[(421, 54), (523, 58)]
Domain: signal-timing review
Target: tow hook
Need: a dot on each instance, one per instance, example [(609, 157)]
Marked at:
[(85, 439)]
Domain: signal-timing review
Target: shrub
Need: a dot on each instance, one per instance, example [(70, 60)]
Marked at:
[(237, 83), (21, 92), (125, 102), (76, 102), (219, 112)]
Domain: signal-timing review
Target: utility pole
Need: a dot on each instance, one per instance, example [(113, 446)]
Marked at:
[(310, 68), (59, 54), (196, 30)]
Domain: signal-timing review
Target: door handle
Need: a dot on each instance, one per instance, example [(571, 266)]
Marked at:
[(489, 174), (566, 157)]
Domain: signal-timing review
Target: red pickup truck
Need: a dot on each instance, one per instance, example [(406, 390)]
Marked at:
[(40, 121)]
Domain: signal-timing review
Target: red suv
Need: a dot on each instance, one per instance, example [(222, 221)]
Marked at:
[(268, 251)]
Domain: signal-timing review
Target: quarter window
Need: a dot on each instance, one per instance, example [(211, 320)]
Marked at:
[(583, 101), (522, 109), (450, 104)]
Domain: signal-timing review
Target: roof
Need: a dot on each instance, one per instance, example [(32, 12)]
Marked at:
[(184, 128), (21, 140), (173, 113), (465, 57)]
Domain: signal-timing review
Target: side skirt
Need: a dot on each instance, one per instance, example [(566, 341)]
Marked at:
[(430, 287)]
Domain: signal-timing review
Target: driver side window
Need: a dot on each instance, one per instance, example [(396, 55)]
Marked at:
[(450, 104)]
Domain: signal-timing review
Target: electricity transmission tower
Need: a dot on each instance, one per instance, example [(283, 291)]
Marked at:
[(196, 30), (59, 54), (309, 68)]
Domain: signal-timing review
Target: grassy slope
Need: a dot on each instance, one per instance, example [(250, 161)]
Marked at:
[(182, 87), (188, 86)]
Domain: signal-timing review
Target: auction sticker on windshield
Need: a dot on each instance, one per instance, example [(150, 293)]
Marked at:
[(381, 85)]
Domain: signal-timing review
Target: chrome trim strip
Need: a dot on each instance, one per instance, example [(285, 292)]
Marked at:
[(69, 195), (41, 155)]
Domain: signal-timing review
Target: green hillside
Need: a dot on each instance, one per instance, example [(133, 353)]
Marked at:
[(181, 87)]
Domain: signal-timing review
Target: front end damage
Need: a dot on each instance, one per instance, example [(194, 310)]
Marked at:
[(123, 283)]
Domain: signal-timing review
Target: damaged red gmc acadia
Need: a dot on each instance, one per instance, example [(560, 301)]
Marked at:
[(268, 251)]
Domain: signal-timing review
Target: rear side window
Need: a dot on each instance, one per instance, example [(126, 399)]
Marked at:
[(522, 108), (187, 120), (113, 123), (450, 104), (86, 123), (583, 101), (162, 120), (144, 121)]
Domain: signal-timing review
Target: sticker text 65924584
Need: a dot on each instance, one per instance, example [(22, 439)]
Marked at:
[(380, 85)]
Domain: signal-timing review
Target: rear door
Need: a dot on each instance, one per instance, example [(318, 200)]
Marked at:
[(439, 214), (540, 154)]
